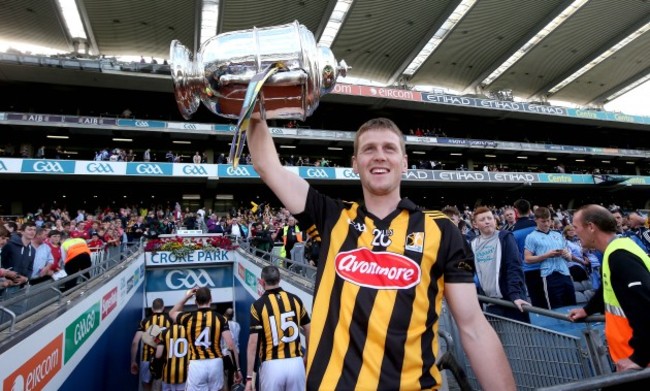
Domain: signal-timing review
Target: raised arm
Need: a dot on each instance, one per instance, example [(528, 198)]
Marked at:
[(178, 307), (290, 189), (479, 340)]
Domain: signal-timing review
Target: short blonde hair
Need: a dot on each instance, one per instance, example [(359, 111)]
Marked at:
[(376, 124), (567, 229)]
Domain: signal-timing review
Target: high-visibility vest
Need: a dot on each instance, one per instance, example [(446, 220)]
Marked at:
[(617, 328), (73, 247), (283, 251)]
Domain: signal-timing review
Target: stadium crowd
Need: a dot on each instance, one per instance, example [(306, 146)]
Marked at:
[(265, 227)]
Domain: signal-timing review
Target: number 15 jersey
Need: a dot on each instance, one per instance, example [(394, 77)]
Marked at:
[(277, 317)]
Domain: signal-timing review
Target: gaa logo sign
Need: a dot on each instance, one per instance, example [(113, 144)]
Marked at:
[(350, 174), (45, 166), (150, 169), (142, 124), (194, 170), (3, 167), (188, 279), (99, 168), (239, 171), (317, 173)]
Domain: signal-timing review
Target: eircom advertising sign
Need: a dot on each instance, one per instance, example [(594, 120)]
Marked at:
[(45, 359), (36, 372)]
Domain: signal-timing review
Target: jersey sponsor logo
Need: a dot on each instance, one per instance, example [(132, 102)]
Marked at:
[(415, 242), (378, 270), (187, 279), (35, 374), (99, 168), (194, 170), (381, 237), (359, 227), (109, 302)]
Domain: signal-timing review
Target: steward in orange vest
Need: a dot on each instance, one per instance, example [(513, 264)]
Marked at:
[(624, 297), (76, 255)]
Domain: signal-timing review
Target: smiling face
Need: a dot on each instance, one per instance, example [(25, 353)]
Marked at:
[(380, 161)]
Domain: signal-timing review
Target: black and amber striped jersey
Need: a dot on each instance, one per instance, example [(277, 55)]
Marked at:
[(204, 328), (312, 233), (379, 291), (175, 354), (277, 317), (163, 320)]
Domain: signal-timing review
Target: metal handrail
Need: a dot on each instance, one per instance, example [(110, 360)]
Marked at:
[(30, 291), (263, 258), (541, 311)]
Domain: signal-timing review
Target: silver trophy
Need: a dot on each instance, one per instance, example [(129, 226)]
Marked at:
[(221, 71)]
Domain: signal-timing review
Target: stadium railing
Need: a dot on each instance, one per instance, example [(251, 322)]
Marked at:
[(31, 300), (539, 357)]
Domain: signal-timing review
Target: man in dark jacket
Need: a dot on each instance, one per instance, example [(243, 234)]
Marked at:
[(19, 253)]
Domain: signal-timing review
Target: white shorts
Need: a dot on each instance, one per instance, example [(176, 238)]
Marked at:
[(205, 375), (145, 373), (173, 387), (286, 374)]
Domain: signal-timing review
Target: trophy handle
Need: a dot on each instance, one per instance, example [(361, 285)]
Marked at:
[(188, 84), (329, 69)]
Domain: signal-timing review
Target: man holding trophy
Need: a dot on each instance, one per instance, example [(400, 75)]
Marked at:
[(385, 265)]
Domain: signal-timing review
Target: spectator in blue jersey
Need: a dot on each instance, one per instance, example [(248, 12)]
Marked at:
[(549, 248), (522, 228), (43, 258), (498, 266), (638, 231), (578, 264), (355, 301)]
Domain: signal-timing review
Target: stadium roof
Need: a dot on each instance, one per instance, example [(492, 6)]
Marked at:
[(579, 51)]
